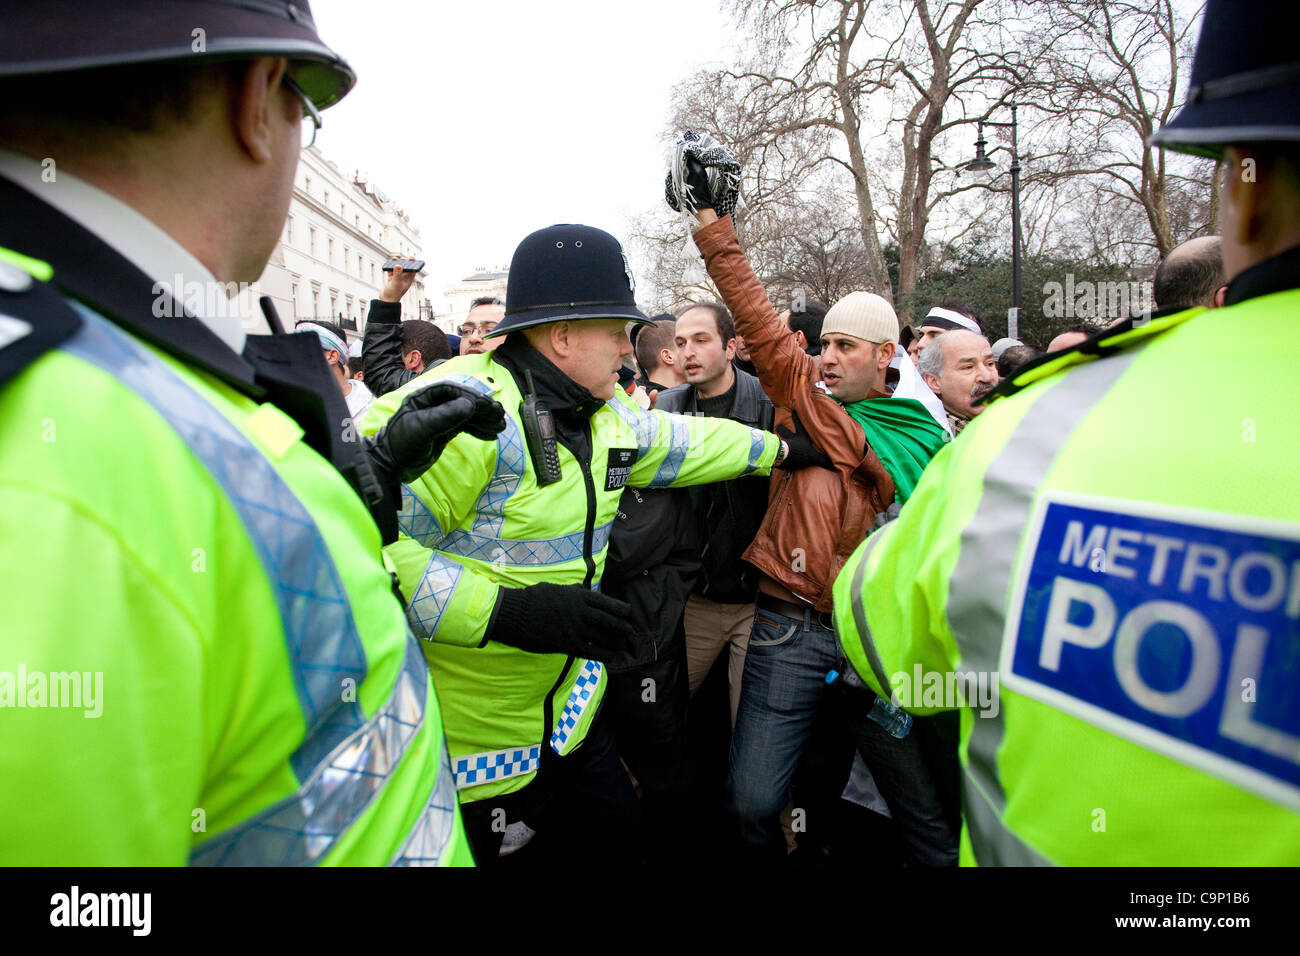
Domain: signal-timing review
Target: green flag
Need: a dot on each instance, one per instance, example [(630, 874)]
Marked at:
[(903, 434)]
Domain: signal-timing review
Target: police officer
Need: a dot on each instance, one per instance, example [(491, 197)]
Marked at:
[(506, 544), (203, 658), (1104, 573)]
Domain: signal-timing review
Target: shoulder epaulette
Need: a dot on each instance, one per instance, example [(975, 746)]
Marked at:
[(34, 318)]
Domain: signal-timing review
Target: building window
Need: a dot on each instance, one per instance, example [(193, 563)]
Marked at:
[(347, 258), (327, 197), (315, 303), (311, 235), (307, 185), (293, 297), (288, 230), (334, 304), (330, 260)]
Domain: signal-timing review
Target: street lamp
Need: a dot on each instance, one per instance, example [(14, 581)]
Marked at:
[(981, 163)]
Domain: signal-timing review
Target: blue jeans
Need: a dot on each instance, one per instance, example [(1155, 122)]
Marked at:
[(781, 694), (783, 689)]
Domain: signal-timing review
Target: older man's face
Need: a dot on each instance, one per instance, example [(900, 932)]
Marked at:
[(969, 371)]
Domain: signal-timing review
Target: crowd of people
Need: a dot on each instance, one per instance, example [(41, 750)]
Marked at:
[(582, 582)]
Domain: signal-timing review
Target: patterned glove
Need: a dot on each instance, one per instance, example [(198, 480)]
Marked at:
[(702, 175)]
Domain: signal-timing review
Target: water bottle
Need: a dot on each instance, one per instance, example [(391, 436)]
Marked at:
[(894, 720)]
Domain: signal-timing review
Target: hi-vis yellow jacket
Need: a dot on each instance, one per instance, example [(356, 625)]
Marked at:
[(478, 521), (1102, 573)]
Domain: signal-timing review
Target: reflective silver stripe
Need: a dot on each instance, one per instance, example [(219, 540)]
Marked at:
[(679, 443), (506, 476), (644, 424), (416, 520), (992, 843), (304, 826), (432, 832), (860, 617), (509, 468), (980, 586), (474, 770), (524, 551), (344, 759), (432, 595), (757, 443)]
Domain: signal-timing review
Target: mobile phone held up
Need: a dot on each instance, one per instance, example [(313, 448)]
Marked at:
[(408, 265)]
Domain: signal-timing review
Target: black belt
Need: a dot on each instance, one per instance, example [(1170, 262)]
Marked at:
[(799, 612)]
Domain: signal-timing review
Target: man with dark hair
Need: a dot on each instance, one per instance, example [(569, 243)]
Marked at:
[(1191, 275), (214, 528), (1013, 357), (806, 324), (485, 313), (656, 353), (424, 345), (720, 612)]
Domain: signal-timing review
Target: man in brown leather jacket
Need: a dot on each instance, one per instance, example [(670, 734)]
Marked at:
[(816, 517)]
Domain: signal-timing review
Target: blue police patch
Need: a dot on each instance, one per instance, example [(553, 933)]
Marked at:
[(1176, 629)]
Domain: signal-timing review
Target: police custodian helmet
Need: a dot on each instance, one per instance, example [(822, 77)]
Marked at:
[(568, 272), (64, 35), (1245, 85)]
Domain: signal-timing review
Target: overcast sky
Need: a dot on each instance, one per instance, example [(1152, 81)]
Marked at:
[(487, 121)]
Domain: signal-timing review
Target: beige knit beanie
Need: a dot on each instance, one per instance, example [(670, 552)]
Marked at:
[(864, 315)]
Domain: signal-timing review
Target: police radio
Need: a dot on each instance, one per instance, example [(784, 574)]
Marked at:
[(539, 429)]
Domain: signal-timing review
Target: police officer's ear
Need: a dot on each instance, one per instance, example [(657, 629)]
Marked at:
[(559, 335), (1240, 195), (262, 106)]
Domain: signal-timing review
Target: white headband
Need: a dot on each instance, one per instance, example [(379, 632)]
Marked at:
[(328, 338), (951, 316)]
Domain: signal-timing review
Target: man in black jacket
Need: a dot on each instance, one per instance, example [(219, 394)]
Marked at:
[(720, 611), (393, 352), (654, 555)]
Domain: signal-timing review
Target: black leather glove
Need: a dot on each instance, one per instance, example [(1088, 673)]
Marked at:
[(803, 453), (563, 619), (698, 179), (417, 433)]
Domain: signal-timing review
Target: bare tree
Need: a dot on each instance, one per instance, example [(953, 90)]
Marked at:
[(1112, 73), (893, 70)]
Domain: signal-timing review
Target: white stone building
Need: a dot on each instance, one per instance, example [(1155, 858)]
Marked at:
[(329, 262)]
